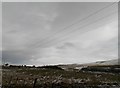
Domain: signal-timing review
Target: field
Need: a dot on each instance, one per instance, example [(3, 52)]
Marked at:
[(55, 77)]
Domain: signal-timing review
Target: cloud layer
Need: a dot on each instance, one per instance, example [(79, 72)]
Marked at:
[(39, 33)]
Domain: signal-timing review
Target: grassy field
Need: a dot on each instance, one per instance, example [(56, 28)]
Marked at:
[(25, 77)]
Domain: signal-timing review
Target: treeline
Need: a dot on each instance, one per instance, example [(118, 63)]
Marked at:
[(24, 66), (51, 67)]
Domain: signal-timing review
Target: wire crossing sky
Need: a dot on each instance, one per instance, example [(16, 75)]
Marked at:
[(40, 33), (83, 19)]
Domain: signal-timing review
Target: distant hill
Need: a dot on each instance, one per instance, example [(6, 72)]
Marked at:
[(79, 66), (109, 62)]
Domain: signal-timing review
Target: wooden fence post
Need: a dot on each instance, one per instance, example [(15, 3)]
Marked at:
[(16, 81), (34, 82), (9, 84), (24, 84)]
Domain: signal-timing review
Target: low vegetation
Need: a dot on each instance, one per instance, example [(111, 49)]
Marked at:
[(56, 77)]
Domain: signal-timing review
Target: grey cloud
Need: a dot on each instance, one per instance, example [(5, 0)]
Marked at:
[(66, 45), (33, 33)]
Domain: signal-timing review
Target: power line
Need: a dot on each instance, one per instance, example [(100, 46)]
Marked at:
[(74, 31), (66, 28), (45, 43)]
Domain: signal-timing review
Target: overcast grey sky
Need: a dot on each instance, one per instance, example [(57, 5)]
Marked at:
[(41, 33)]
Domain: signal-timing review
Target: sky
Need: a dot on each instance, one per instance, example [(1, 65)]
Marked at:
[(0, 33), (47, 33)]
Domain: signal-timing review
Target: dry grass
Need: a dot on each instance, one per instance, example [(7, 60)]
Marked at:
[(56, 78)]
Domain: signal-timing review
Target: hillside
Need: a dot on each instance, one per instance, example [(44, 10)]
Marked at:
[(79, 66)]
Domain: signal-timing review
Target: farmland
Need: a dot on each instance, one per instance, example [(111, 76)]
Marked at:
[(56, 77)]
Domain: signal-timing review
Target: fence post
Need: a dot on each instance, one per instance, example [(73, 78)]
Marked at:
[(16, 81), (24, 84), (34, 82), (9, 84)]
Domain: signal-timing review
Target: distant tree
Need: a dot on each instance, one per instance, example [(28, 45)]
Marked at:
[(33, 66), (24, 65), (6, 64)]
